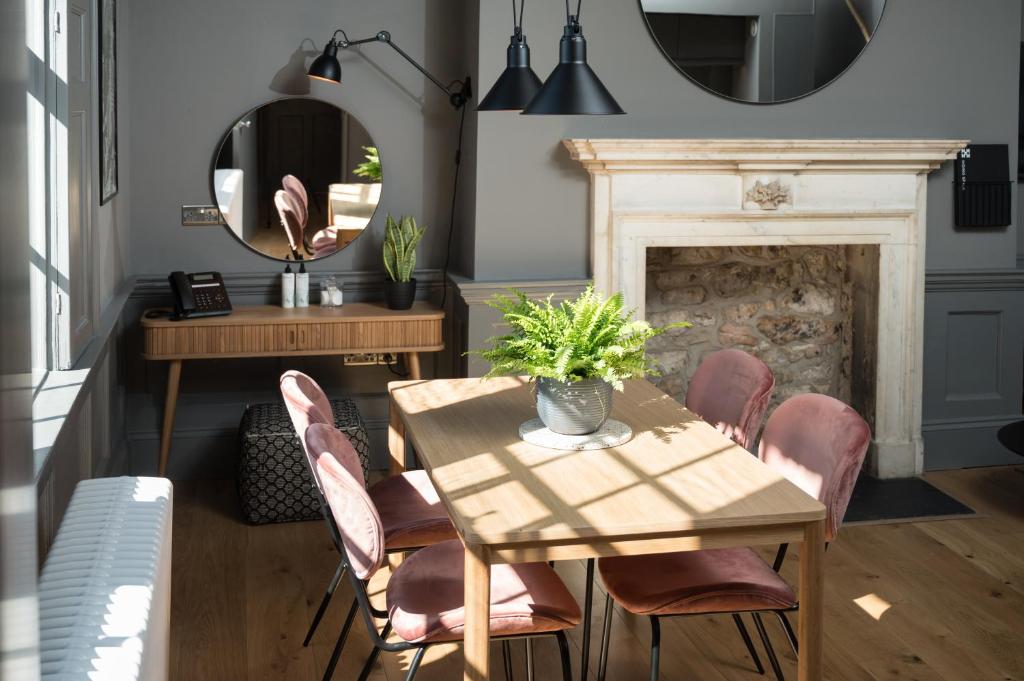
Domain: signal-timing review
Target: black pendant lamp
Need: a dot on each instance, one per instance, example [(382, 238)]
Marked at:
[(518, 84), (573, 88)]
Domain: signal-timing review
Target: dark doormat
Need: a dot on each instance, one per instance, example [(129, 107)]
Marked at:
[(900, 500)]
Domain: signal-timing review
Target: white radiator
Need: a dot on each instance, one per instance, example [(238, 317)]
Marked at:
[(105, 590)]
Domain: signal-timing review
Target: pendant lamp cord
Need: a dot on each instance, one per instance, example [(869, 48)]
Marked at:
[(517, 21), (568, 16), (451, 219)]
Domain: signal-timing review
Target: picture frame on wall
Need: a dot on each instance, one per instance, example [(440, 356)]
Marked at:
[(108, 99)]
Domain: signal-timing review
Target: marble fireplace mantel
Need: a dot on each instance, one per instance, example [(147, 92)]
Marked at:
[(648, 193)]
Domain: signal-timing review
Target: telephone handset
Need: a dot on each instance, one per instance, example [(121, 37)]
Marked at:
[(201, 294)]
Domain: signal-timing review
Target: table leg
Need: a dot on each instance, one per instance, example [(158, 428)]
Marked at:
[(478, 613), (412, 363), (170, 404), (396, 441), (812, 602)]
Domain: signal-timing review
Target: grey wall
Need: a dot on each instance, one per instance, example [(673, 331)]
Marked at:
[(18, 638), (204, 64), (954, 75), (910, 82), (190, 81)]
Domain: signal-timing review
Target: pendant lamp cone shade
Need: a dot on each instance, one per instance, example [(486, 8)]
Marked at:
[(573, 88), (517, 85), (326, 66)]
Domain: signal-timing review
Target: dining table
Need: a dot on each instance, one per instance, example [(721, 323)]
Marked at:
[(677, 485)]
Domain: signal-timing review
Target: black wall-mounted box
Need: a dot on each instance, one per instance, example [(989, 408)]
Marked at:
[(981, 186)]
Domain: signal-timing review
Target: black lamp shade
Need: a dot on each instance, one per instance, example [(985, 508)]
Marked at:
[(517, 85), (326, 66), (573, 88)]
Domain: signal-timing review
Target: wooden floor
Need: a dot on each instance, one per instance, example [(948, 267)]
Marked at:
[(929, 601)]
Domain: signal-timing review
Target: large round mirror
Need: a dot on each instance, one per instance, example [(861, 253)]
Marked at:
[(762, 50), (296, 178)]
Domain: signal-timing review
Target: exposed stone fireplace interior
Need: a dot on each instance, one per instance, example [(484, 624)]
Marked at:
[(794, 307), (807, 253)]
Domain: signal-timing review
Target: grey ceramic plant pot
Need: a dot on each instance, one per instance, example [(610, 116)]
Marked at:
[(574, 408)]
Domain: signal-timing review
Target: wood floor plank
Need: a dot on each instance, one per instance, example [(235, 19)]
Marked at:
[(929, 601)]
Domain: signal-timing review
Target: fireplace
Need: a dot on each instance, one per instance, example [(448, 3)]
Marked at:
[(862, 201)]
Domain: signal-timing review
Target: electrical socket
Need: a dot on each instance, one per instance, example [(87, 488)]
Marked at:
[(370, 359), (200, 216)]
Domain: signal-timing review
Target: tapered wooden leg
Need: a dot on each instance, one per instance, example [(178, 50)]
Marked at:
[(170, 404), (478, 613), (412, 362), (812, 602), (396, 441)]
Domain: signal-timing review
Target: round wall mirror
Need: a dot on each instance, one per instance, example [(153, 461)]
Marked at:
[(762, 51), (296, 178)]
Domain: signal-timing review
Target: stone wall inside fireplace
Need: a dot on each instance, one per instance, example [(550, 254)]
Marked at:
[(791, 306)]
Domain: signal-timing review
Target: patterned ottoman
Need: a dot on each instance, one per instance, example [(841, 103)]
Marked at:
[(274, 483)]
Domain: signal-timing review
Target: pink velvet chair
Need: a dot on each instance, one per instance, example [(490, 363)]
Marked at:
[(730, 390), (425, 594), (816, 442), (411, 513)]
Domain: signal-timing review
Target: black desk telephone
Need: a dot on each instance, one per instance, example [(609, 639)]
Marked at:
[(199, 295)]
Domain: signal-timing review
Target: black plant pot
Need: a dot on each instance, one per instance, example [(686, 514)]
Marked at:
[(399, 294)]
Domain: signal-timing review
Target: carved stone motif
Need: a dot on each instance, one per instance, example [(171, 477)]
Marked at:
[(768, 196)]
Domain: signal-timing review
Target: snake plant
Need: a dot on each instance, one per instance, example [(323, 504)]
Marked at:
[(400, 241)]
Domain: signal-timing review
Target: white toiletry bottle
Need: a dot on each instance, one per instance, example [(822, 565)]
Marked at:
[(288, 287), (302, 286)]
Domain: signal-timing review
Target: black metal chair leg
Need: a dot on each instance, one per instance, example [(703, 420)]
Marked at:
[(563, 652), (746, 640), (529, 660), (588, 608), (336, 653), (414, 666), (506, 656), (606, 638), (772, 660), (655, 648), (324, 602), (790, 634), (374, 654)]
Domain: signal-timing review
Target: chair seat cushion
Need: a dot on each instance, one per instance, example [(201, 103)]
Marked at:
[(410, 511), (689, 582), (426, 603)]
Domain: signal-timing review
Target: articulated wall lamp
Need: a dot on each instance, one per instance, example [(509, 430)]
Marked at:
[(517, 84), (327, 67), (573, 87)]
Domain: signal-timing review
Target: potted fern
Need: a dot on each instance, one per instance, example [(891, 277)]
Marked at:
[(578, 351), (400, 241)]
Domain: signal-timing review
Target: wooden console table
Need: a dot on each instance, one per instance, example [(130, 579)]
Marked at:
[(271, 331)]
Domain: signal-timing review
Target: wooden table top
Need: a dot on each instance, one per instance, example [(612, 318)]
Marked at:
[(677, 475), (274, 314)]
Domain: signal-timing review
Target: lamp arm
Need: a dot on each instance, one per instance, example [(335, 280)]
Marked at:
[(458, 98)]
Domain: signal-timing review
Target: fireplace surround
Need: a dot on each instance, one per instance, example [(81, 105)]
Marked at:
[(679, 193)]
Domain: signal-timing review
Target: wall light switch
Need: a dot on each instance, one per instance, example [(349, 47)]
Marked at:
[(200, 216)]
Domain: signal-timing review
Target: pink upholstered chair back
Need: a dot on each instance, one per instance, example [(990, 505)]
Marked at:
[(354, 514), (307, 404), (819, 444), (730, 390), (294, 186), (290, 215)]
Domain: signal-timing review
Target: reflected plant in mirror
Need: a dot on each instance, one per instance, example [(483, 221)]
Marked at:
[(762, 51), (297, 178)]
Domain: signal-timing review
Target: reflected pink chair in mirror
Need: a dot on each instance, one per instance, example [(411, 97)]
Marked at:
[(289, 214), (294, 186), (817, 443), (411, 513), (425, 594)]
